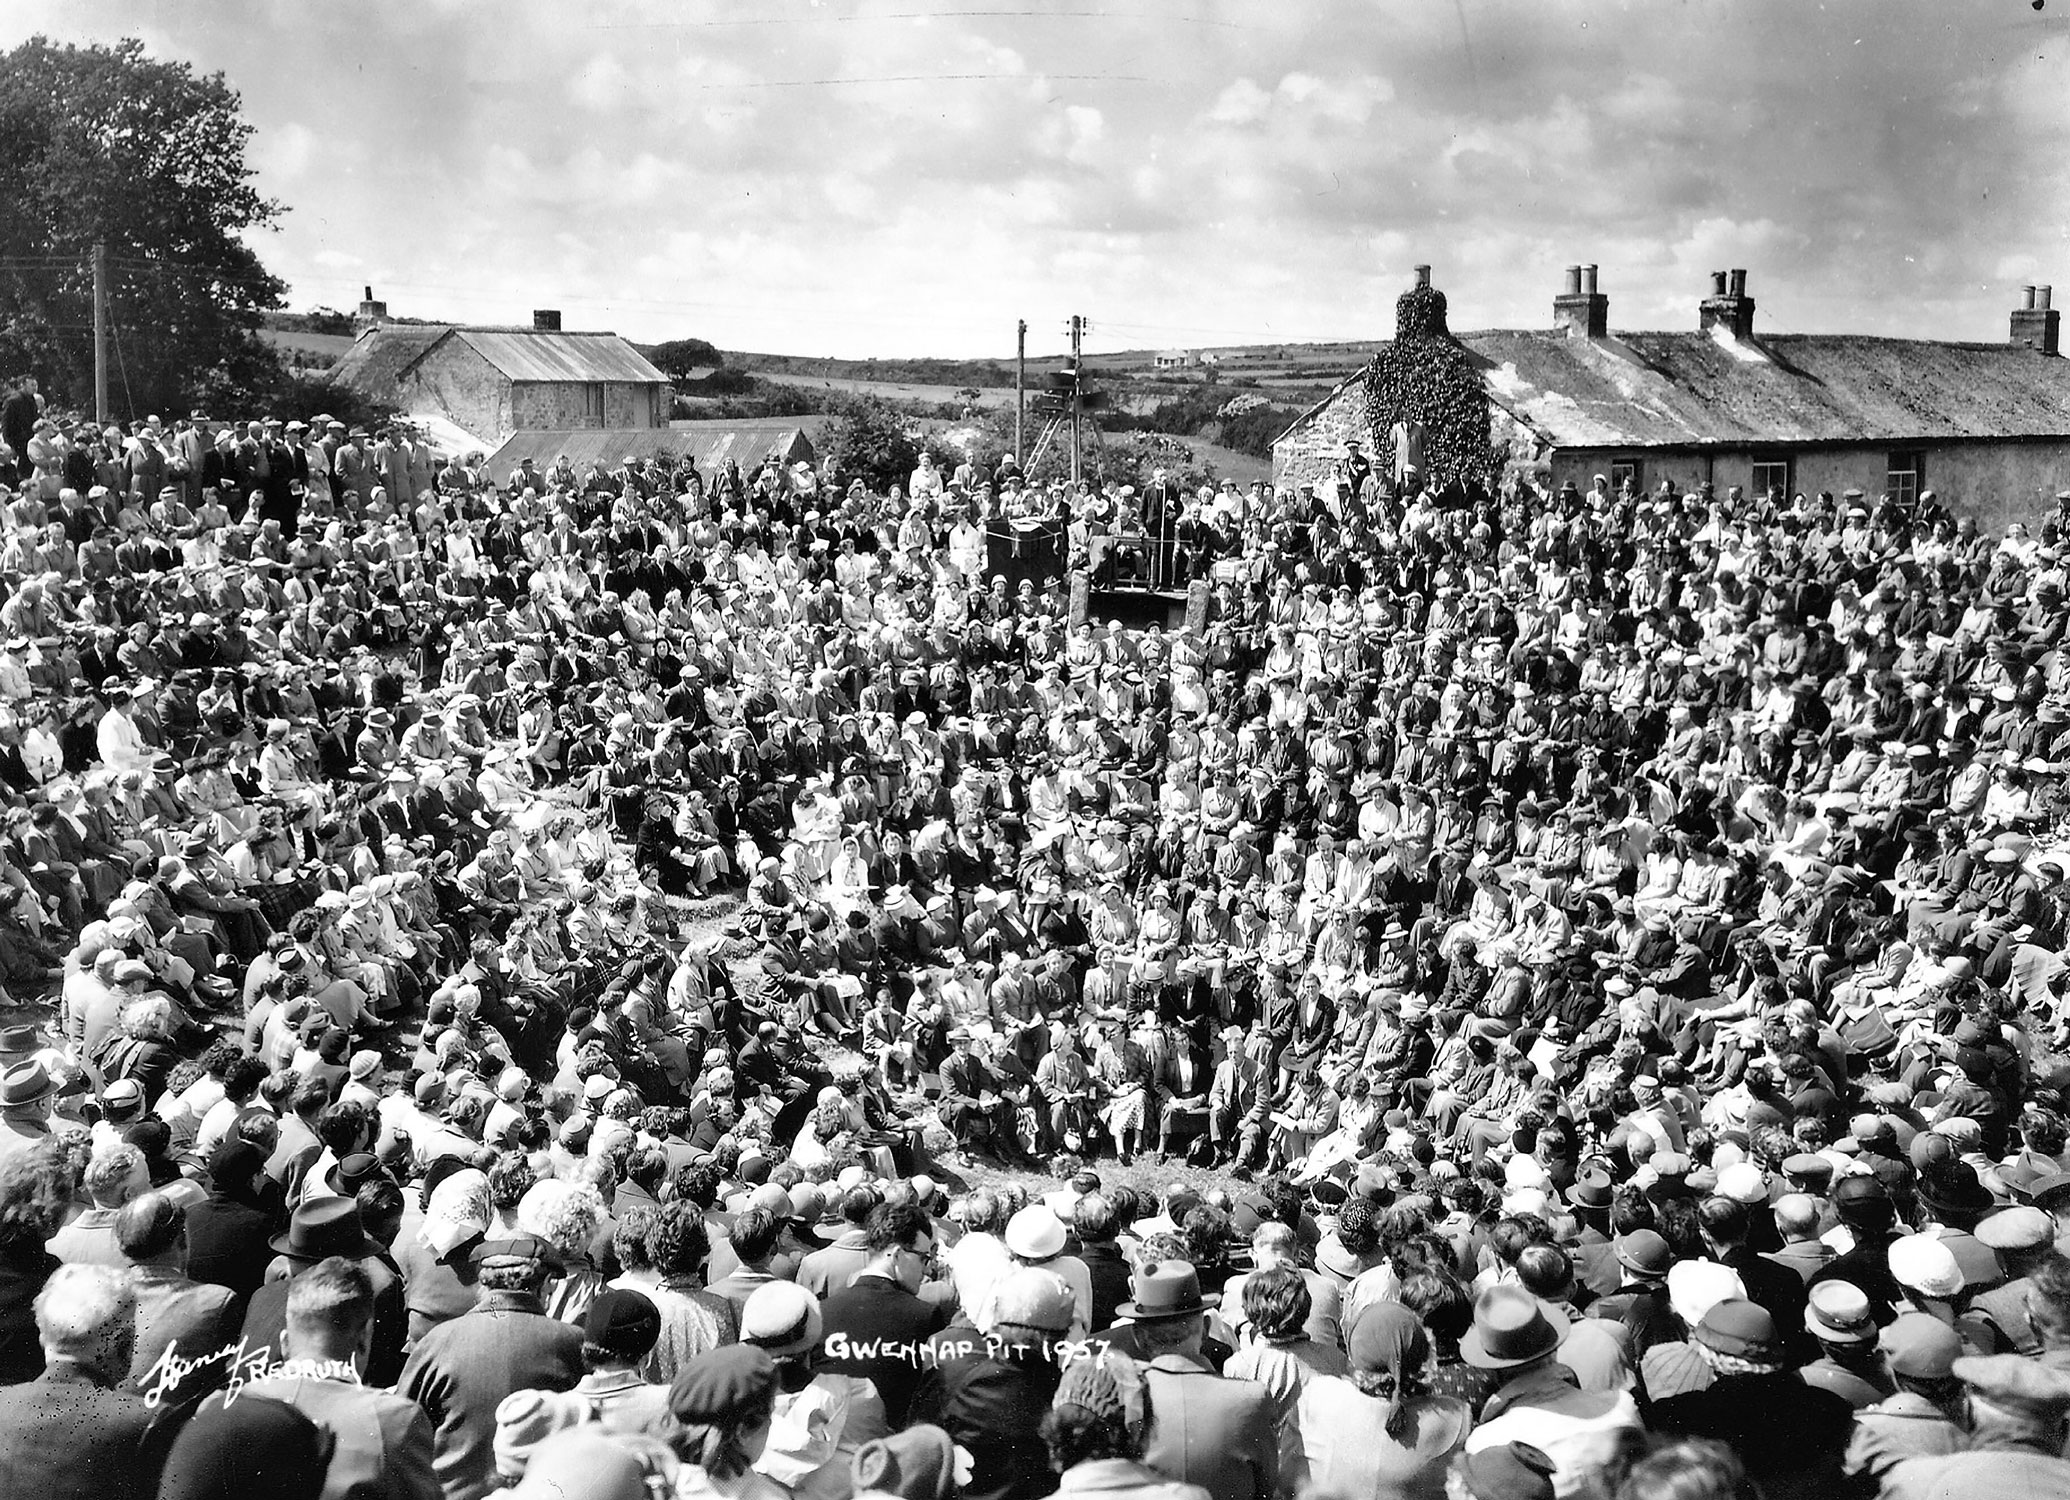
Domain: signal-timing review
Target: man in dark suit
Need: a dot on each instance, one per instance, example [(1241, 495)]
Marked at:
[(1778, 1289), (875, 1324), (70, 1434), (175, 1315), (320, 1229), (991, 1393), (227, 1232), (461, 1370), (1204, 1429)]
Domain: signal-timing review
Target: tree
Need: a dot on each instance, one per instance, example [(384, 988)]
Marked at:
[(678, 357), (869, 441), (104, 143)]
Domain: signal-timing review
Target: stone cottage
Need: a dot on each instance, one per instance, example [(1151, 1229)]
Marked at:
[(1985, 426)]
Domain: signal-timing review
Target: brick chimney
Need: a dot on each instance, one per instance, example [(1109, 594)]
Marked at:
[(546, 320), (2035, 324), (371, 313), (1582, 310), (1728, 306)]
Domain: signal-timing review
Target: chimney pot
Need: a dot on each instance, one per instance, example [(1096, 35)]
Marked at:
[(1717, 283), (1582, 311), (2036, 324), (1423, 276), (369, 295), (1739, 283)]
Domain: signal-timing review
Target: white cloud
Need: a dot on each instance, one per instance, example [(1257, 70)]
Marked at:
[(1241, 102), (848, 179)]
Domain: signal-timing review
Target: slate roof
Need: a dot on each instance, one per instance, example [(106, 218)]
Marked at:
[(1659, 390)]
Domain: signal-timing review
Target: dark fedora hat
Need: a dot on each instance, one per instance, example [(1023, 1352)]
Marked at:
[(1168, 1289), (353, 1173), (1511, 1327), (321, 1228)]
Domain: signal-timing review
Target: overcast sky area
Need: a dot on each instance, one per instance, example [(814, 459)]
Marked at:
[(901, 177)]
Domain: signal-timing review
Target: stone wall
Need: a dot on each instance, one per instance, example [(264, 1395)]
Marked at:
[(1314, 449), (456, 381), (1996, 482), (558, 405)]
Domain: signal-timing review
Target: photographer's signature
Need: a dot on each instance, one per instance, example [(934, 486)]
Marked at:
[(243, 1363)]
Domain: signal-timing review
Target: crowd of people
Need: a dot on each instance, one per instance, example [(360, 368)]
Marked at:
[(537, 980)]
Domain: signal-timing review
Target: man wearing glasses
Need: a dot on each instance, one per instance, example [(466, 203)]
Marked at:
[(878, 1325)]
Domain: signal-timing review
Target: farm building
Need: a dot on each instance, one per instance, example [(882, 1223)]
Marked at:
[(1175, 359), (491, 382), (1985, 426)]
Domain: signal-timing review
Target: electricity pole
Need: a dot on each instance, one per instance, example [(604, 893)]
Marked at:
[(1077, 329), (100, 332), (1020, 396)]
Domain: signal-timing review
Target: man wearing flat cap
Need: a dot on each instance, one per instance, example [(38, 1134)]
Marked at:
[(462, 1369), (2017, 1408)]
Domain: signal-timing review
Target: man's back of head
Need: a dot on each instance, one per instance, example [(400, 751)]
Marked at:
[(86, 1318), (1274, 1244), (330, 1312), (152, 1228)]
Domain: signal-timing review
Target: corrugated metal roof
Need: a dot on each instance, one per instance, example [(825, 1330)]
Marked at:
[(706, 443), (383, 355), (535, 355), (1652, 390)]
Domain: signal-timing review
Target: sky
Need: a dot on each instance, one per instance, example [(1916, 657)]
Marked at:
[(910, 177)]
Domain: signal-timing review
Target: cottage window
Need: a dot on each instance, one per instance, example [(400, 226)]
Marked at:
[(1772, 475), (593, 403), (1906, 477), (1625, 471)]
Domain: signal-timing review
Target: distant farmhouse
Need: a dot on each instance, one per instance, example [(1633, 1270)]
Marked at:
[(492, 382), (1986, 426)]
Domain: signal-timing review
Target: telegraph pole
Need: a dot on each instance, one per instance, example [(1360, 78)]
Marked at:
[(1077, 329), (100, 332), (1020, 394)]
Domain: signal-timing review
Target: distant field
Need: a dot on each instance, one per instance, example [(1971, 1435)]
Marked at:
[(895, 390), (329, 346)]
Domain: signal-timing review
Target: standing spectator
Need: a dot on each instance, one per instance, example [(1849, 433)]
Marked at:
[(382, 1443), (1092, 1445), (112, 1179), (70, 1434), (254, 1446), (35, 1188), (462, 1369), (227, 1232), (1538, 1402), (990, 1390), (693, 1320), (175, 1314), (1378, 1431), (879, 1318), (1279, 1355), (1203, 1429)]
